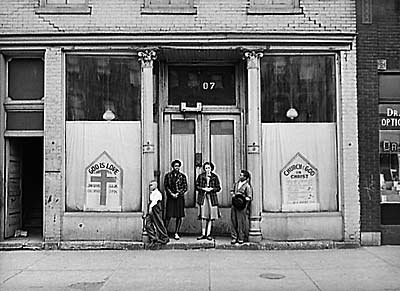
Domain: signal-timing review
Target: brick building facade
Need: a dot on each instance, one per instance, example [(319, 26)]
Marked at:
[(114, 91), (378, 66)]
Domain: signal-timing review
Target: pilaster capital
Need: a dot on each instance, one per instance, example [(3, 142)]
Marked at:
[(146, 58), (253, 59)]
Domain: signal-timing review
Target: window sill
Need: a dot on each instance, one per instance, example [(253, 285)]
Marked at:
[(267, 9), (23, 105), (65, 9), (168, 10)]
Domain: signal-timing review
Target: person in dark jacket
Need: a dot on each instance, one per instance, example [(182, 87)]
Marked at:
[(207, 186), (242, 194), (175, 185)]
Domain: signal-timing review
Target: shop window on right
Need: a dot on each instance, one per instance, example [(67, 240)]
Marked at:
[(299, 142), (389, 139)]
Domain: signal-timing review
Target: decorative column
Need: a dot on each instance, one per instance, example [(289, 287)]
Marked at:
[(146, 59), (253, 138)]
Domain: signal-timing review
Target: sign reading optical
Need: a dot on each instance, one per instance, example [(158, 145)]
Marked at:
[(389, 116)]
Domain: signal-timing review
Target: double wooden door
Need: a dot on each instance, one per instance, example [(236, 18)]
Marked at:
[(199, 137)]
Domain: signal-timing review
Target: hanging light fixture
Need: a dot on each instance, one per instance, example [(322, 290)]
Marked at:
[(108, 115), (292, 113)]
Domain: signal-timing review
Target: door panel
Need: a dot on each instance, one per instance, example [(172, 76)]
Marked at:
[(214, 138), (183, 147), (222, 155), (13, 219)]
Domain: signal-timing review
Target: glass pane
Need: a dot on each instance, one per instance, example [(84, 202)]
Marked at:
[(96, 84), (182, 127), (211, 85), (303, 83), (223, 127), (389, 152), (389, 86), (24, 121), (26, 79)]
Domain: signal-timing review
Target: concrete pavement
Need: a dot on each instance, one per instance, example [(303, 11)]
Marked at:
[(366, 268)]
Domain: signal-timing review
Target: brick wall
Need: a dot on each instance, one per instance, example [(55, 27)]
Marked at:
[(124, 16), (377, 40)]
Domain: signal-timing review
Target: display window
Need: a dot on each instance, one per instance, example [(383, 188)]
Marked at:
[(299, 134), (103, 151), (389, 152)]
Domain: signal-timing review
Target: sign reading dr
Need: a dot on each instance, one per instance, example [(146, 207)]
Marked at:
[(103, 184), (299, 184)]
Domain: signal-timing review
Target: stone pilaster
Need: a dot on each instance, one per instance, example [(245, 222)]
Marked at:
[(146, 59), (54, 141), (253, 139)]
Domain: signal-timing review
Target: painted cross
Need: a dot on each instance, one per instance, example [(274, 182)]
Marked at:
[(103, 179), (103, 184)]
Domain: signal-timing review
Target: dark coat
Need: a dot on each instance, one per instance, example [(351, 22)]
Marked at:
[(201, 182), (175, 184)]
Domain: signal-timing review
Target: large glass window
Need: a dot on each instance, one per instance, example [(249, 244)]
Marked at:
[(306, 84), (99, 83), (210, 85), (102, 128), (389, 152), (299, 133)]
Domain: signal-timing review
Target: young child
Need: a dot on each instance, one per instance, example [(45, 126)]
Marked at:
[(154, 222)]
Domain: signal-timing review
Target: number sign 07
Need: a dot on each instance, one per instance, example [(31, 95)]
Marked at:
[(208, 85)]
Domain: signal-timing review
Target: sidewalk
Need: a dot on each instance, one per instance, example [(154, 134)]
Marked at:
[(365, 268), (185, 243)]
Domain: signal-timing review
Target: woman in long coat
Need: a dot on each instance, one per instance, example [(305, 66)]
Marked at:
[(175, 185)]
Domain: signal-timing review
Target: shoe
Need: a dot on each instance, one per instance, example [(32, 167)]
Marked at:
[(240, 242), (233, 241), (176, 236), (208, 237), (201, 237)]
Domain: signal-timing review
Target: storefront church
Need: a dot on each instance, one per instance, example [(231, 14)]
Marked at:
[(99, 97)]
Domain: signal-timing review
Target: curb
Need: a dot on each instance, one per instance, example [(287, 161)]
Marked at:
[(220, 244)]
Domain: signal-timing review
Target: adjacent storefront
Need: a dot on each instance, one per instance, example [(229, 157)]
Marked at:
[(389, 153)]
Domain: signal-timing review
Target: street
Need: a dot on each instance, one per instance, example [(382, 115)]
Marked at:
[(366, 268)]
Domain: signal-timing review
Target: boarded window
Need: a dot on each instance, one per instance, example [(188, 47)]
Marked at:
[(210, 85), (66, 2), (26, 79), (389, 86), (274, 7)]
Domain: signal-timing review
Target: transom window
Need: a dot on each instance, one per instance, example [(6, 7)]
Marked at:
[(210, 85)]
